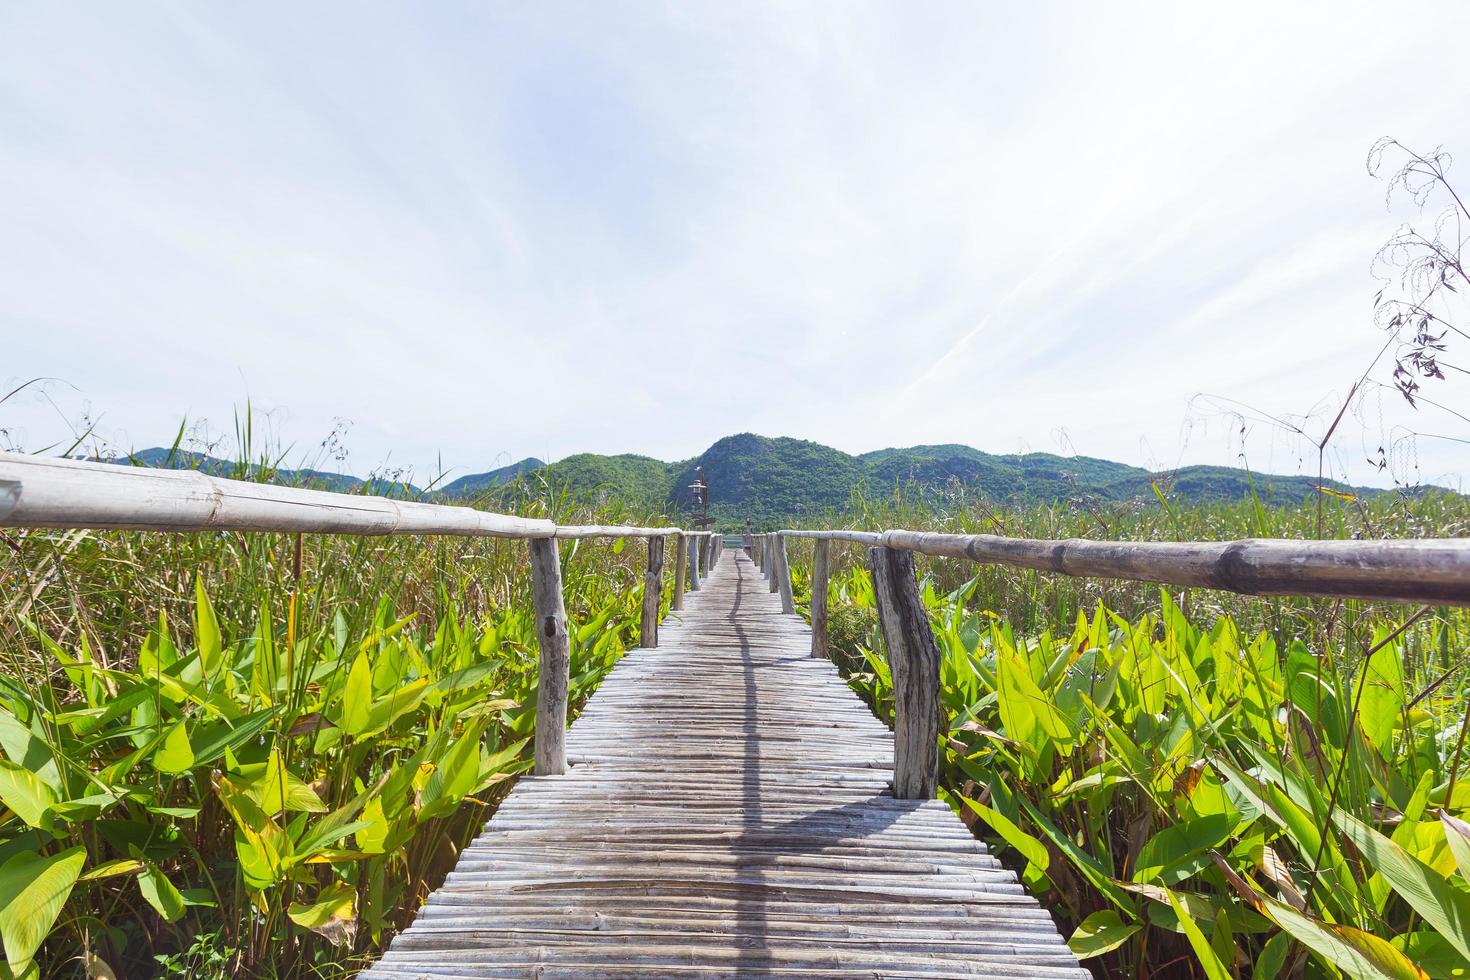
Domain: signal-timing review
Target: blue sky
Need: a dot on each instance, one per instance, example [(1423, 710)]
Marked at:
[(481, 232)]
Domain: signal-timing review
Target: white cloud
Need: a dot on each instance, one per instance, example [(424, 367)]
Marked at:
[(501, 231)]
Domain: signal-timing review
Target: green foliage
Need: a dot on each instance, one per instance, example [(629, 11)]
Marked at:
[(221, 759), (1239, 799)]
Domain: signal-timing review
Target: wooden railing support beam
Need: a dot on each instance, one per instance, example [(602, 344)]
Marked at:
[(821, 571), (783, 577), (694, 563), (773, 561), (681, 546), (913, 657), (653, 591), (555, 644)]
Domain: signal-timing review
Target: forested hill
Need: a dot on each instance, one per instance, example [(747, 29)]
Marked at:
[(772, 481)]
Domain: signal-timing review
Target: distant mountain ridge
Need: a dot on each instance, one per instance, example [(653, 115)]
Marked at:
[(773, 480)]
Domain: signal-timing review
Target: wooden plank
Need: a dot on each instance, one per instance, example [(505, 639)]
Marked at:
[(914, 659), (555, 663), (728, 812)]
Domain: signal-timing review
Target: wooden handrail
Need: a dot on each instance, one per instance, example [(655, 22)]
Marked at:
[(50, 492), (1435, 570)]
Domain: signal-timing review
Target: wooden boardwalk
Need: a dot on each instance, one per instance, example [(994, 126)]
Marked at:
[(727, 813)]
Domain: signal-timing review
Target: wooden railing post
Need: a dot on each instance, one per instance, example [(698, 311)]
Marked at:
[(821, 570), (773, 561), (694, 563), (913, 657), (680, 546), (653, 590), (782, 577), (551, 635)]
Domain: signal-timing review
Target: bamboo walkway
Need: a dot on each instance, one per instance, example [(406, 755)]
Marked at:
[(727, 813)]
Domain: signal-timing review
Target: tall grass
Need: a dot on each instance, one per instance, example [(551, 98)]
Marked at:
[(255, 754)]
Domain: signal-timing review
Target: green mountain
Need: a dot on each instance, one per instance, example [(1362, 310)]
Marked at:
[(468, 486), (183, 459), (774, 481)]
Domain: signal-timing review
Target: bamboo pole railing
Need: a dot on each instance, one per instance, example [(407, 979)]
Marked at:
[(1433, 571), (48, 492)]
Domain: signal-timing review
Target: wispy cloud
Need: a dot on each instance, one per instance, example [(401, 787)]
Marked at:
[(496, 231)]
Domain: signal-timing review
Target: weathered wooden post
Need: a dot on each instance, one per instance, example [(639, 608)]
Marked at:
[(821, 570), (555, 644), (773, 561), (682, 543), (653, 589), (694, 564), (913, 657), (783, 576)]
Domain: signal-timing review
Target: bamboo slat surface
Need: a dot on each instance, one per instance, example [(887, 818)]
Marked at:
[(727, 812)]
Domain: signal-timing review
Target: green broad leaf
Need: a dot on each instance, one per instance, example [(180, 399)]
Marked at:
[(1203, 951), (160, 893), (176, 755), (333, 914), (206, 632), (1099, 933), (200, 897), (1091, 868), (111, 869), (25, 748), (1027, 846), (1382, 701), (1356, 953), (374, 830), (25, 793), (591, 628), (1272, 957), (211, 741), (1457, 832), (275, 788), (357, 696), (394, 705), (454, 775), (33, 890), (1435, 956), (1429, 893), (465, 677), (182, 812), (1176, 843)]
